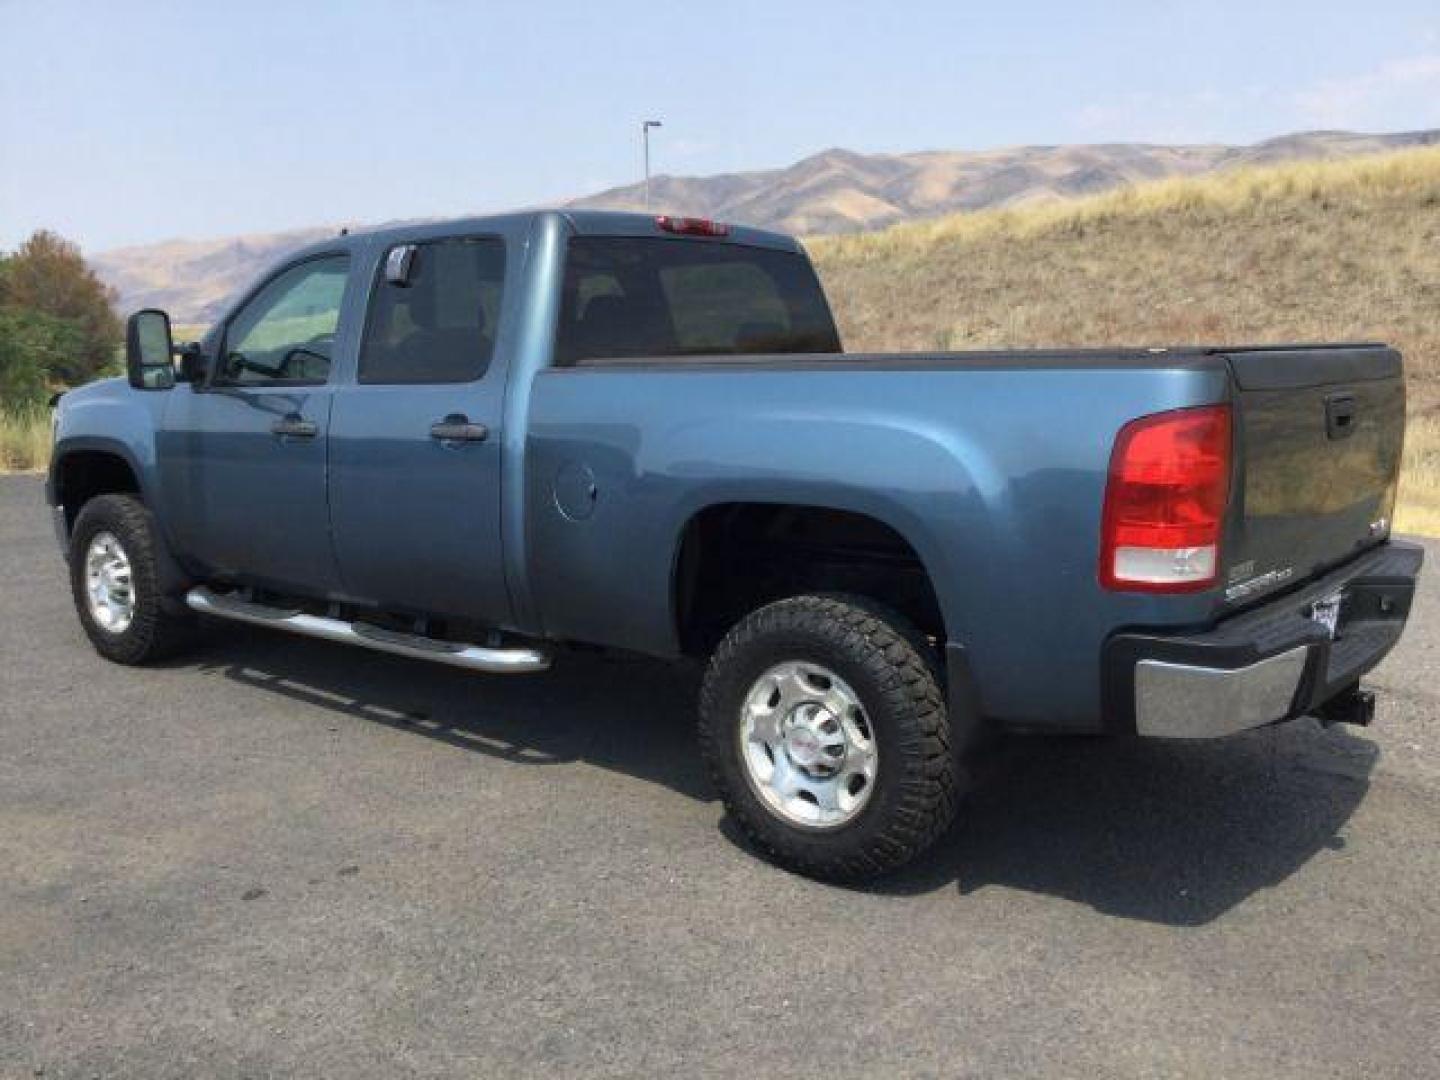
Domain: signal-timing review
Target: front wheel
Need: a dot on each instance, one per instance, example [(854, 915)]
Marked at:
[(826, 733), (115, 578)]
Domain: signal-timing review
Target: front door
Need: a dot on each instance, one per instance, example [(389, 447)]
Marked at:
[(415, 442), (244, 456)]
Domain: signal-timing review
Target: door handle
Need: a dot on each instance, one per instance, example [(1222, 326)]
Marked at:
[(457, 428), (294, 426)]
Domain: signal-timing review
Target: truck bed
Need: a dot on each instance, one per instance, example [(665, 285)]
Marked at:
[(993, 463), (1190, 357)]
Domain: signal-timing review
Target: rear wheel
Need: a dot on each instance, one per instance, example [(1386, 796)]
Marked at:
[(115, 582), (826, 733)]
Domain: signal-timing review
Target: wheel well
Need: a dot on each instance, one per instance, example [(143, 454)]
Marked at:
[(737, 556), (85, 474)]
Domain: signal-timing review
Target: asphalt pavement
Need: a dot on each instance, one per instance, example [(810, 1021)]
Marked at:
[(280, 857)]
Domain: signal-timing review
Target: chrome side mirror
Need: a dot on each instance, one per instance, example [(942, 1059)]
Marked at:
[(400, 265)]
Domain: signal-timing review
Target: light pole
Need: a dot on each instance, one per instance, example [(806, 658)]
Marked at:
[(645, 127)]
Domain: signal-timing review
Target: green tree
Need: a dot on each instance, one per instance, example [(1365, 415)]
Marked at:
[(32, 344), (48, 276)]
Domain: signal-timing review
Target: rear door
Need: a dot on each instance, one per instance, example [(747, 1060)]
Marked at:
[(1320, 436), (243, 456), (415, 441)]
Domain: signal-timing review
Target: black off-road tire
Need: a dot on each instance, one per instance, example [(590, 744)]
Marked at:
[(157, 629), (884, 661)]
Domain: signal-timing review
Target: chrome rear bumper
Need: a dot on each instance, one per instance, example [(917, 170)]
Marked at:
[(1271, 663), (1183, 701)]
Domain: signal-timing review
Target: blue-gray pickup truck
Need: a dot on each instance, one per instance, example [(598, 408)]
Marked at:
[(484, 442)]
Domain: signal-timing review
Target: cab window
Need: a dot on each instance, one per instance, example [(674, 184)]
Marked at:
[(633, 297), (438, 325), (285, 333)]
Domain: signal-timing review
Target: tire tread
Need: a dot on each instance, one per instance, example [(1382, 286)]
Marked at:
[(895, 653), (154, 633)]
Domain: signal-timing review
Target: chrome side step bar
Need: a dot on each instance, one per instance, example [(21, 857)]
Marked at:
[(415, 646)]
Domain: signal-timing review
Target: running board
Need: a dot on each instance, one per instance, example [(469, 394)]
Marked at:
[(415, 646)]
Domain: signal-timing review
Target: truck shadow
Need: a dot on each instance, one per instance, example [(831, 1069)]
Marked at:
[(1173, 833), (630, 715), (1168, 832)]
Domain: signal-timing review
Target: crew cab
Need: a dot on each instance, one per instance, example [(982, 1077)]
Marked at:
[(481, 443)]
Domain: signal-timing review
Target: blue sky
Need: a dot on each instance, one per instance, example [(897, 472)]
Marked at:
[(125, 123)]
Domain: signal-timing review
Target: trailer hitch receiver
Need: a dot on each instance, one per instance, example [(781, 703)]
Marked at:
[(1351, 706)]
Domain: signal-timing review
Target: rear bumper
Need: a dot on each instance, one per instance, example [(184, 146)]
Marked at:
[(1266, 665)]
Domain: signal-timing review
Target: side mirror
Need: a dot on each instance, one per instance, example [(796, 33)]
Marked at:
[(148, 350), (400, 265)]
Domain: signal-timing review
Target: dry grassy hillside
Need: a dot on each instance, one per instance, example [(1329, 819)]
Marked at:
[(1334, 250), (833, 191), (840, 191), (192, 279)]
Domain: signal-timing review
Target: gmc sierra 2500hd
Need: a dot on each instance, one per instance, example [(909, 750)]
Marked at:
[(480, 441)]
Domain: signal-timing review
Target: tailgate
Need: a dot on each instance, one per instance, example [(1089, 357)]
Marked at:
[(1319, 435)]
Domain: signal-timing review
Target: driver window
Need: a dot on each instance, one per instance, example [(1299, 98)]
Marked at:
[(286, 333)]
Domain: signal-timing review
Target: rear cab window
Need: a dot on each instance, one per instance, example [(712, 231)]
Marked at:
[(640, 297)]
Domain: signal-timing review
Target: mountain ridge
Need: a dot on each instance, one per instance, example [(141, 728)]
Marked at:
[(833, 191)]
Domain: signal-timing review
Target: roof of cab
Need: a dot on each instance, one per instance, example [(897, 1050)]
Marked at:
[(618, 223), (581, 222)]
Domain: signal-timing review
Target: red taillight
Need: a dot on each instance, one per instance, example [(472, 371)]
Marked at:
[(1165, 502), (692, 226)]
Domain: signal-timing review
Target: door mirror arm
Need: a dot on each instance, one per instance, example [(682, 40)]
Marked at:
[(192, 362)]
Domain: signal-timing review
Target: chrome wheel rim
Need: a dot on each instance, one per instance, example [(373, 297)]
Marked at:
[(109, 584), (807, 745)]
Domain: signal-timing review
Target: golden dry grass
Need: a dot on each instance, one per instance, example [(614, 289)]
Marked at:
[(1418, 509), (24, 440), (1344, 250)]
